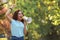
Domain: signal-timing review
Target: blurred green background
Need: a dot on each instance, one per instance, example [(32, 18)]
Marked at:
[(45, 18)]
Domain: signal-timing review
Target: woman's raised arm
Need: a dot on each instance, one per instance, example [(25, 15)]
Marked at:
[(8, 13)]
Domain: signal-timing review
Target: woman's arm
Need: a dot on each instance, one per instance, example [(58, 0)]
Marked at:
[(8, 13), (25, 27)]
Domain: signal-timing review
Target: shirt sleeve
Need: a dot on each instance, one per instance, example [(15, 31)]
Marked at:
[(12, 20)]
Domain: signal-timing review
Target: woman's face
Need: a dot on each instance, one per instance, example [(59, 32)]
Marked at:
[(20, 15)]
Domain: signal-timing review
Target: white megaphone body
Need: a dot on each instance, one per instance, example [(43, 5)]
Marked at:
[(28, 19)]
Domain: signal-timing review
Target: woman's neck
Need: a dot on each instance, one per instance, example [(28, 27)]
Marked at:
[(19, 20)]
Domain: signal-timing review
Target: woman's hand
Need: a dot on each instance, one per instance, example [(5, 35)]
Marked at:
[(12, 6)]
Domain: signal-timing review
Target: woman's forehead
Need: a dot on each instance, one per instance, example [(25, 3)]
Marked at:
[(20, 12)]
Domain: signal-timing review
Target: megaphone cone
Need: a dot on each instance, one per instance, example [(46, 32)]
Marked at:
[(28, 19)]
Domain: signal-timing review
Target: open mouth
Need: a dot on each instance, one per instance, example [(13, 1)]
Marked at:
[(20, 17)]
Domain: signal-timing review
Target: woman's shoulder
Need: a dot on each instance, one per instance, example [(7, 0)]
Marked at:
[(12, 20)]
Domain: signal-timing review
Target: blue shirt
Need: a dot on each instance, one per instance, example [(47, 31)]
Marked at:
[(17, 28)]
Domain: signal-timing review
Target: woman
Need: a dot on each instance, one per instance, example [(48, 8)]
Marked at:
[(18, 25)]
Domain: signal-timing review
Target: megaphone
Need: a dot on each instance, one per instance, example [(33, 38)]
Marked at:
[(28, 19)]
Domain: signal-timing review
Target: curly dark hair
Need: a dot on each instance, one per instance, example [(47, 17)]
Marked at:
[(15, 16)]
